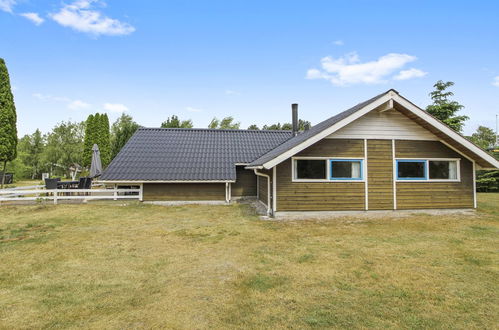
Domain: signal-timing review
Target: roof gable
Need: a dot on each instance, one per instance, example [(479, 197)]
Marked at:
[(385, 101)]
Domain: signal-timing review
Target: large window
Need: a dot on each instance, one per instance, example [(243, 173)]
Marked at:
[(347, 169), (326, 169), (312, 169), (427, 169)]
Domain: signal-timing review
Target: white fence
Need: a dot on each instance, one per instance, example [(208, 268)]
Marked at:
[(9, 195)]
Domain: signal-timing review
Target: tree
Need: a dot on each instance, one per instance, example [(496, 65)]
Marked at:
[(225, 123), (121, 131), (254, 127), (303, 125), (484, 137), (8, 120), (65, 146), (174, 122), (104, 140), (90, 139), (31, 150), (445, 109), (97, 132)]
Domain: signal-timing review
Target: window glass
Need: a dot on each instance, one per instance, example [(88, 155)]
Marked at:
[(443, 169), (346, 169), (310, 169), (411, 170)]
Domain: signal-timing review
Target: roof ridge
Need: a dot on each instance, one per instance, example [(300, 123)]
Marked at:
[(214, 129)]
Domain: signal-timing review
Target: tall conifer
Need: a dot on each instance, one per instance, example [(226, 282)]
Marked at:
[(8, 119)]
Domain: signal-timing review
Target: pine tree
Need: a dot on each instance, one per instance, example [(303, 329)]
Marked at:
[(105, 141), (89, 140), (445, 109), (8, 119)]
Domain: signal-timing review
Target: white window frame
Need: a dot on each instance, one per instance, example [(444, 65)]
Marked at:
[(328, 169), (427, 169)]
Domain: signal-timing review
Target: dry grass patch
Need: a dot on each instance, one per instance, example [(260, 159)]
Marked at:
[(106, 265)]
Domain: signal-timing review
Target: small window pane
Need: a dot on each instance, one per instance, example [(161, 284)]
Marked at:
[(345, 169), (444, 170), (310, 169), (411, 169)]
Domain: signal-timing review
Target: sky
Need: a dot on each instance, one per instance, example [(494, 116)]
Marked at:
[(246, 59)]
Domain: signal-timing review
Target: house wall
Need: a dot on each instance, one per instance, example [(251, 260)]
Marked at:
[(427, 195), (245, 184), (184, 191), (263, 186), (321, 196), (337, 196), (380, 174)]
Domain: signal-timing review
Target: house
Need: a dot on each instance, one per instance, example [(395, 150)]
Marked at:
[(383, 154)]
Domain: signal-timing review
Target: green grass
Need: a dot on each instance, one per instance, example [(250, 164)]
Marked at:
[(112, 265)]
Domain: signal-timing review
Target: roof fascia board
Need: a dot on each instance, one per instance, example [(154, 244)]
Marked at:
[(446, 130), (319, 136), (166, 181)]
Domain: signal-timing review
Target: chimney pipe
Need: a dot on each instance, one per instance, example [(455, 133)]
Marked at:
[(294, 111)]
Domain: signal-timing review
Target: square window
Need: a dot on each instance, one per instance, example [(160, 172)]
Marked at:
[(411, 169), (310, 169)]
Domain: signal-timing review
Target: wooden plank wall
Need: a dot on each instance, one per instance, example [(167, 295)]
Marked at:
[(245, 184), (321, 196), (380, 174), (262, 188), (429, 195), (184, 191)]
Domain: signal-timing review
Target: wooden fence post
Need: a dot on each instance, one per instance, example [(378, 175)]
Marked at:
[(115, 194), (55, 197)]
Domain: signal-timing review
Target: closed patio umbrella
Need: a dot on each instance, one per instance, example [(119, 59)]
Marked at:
[(96, 165)]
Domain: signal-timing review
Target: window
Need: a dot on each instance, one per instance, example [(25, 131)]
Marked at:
[(411, 169), (443, 169), (314, 169), (346, 169), (325, 169), (428, 169)]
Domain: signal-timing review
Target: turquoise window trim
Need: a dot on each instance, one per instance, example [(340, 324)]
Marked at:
[(424, 161), (360, 161)]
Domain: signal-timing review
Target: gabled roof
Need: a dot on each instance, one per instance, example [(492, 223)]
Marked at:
[(313, 131), (179, 154), (389, 99)]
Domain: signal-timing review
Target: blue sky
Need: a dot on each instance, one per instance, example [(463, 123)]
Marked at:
[(247, 59)]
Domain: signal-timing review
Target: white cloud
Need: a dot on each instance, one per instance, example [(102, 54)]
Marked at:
[(191, 109), (231, 92), (51, 98), (33, 17), (81, 17), (78, 104), (496, 81), (409, 74), (71, 104), (338, 42), (348, 69), (7, 5), (115, 107)]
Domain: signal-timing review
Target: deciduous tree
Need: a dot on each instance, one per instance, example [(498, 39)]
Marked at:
[(174, 122), (121, 131)]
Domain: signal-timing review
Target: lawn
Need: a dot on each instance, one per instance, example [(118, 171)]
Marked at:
[(142, 266)]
